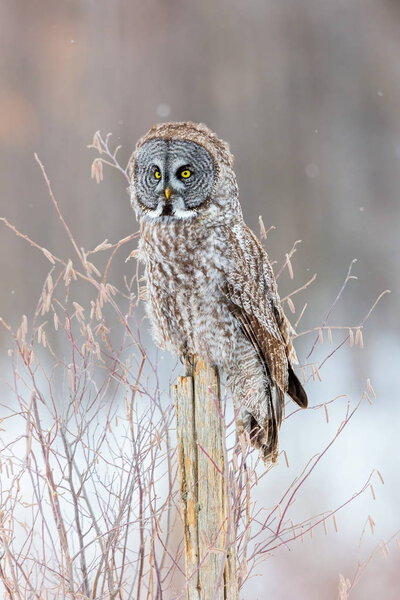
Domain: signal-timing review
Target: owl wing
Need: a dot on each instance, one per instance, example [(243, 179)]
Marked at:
[(253, 298)]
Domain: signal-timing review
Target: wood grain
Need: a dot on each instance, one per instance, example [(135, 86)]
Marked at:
[(209, 551)]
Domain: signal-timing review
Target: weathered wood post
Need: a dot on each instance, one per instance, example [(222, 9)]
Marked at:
[(209, 549)]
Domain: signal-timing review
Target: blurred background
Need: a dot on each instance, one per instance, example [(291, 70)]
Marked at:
[(308, 96)]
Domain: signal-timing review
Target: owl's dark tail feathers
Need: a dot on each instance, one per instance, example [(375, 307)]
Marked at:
[(296, 390), (265, 436)]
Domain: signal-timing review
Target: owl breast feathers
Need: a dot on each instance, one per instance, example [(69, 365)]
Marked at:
[(211, 288)]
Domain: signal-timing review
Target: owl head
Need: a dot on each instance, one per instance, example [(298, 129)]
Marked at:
[(183, 171)]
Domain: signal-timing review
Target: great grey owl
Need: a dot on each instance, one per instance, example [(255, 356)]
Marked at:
[(211, 288)]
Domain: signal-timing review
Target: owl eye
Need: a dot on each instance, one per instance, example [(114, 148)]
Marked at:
[(185, 173), (157, 174)]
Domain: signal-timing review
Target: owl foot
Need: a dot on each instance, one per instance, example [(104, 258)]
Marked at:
[(188, 360)]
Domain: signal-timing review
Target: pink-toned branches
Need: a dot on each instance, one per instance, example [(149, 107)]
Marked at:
[(89, 491)]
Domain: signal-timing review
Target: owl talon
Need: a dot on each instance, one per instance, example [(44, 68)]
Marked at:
[(188, 360)]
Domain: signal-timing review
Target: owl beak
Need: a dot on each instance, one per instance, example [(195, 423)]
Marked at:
[(167, 193)]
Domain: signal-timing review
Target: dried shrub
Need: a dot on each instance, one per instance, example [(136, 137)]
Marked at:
[(89, 492)]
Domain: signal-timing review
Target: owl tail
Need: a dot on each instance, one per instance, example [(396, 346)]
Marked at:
[(261, 401), (264, 435)]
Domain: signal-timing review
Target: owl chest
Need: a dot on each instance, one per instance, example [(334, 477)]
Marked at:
[(188, 279), (185, 279)]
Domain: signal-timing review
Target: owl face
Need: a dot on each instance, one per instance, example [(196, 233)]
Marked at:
[(172, 179)]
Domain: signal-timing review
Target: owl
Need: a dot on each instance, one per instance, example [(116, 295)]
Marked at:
[(211, 290)]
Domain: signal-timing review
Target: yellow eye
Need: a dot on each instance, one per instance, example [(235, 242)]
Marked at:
[(157, 174), (186, 173)]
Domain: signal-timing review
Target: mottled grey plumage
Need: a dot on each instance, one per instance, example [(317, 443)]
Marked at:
[(211, 288)]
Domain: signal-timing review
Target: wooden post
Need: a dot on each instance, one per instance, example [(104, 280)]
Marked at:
[(210, 554)]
